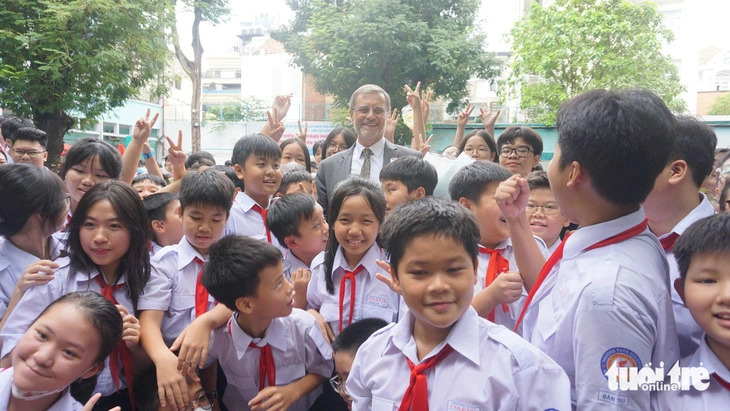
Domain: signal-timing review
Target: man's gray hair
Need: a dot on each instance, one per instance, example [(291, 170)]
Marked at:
[(370, 88)]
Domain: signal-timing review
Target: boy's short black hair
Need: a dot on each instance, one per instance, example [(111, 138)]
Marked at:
[(231, 174), (285, 214), (352, 337), (413, 172), (208, 187), (705, 236), (538, 179), (30, 134), (198, 159), (11, 124), (694, 143), (472, 180), (294, 177), (425, 217), (257, 144), (233, 268), (622, 139), (151, 177), (530, 136), (156, 205)]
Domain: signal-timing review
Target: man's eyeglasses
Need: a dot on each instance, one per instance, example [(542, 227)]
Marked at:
[(547, 209), (521, 151), (29, 153), (205, 401), (337, 385)]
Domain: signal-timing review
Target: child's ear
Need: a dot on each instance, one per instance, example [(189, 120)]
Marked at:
[(245, 305), (679, 286), (465, 202), (396, 282), (420, 192), (158, 226), (577, 174), (92, 371), (302, 189), (180, 212), (679, 171), (290, 241), (239, 171)]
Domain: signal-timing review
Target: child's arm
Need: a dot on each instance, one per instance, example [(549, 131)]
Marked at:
[(177, 157), (511, 196), (414, 100), (390, 123), (300, 279), (505, 289), (461, 122), (140, 135), (488, 120), (150, 163), (194, 340), (171, 385), (280, 397)]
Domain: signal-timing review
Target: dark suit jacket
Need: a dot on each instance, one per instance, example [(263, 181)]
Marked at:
[(336, 168)]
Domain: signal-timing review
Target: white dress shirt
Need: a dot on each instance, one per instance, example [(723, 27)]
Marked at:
[(13, 262), (244, 220), (171, 288), (376, 159), (297, 346), (372, 297), (715, 397), (37, 298), (491, 368), (688, 331), (605, 305), (65, 403)]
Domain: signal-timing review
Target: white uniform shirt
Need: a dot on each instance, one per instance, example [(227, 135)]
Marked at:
[(509, 318), (154, 248), (297, 346), (37, 298), (554, 247), (688, 331), (376, 159), (13, 262), (65, 403), (605, 305), (244, 220), (372, 297), (715, 397), (171, 288), (491, 368), (292, 263)]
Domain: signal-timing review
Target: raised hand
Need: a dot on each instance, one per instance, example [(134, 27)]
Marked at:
[(302, 135), (413, 96), (463, 117), (388, 280), (175, 152), (489, 119), (281, 106), (426, 96), (390, 123), (512, 196), (274, 128), (143, 127), (507, 287)]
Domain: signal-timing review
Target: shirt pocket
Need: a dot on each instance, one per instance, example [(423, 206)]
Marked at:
[(330, 312), (382, 404), (379, 306), (289, 370), (548, 318), (180, 306)]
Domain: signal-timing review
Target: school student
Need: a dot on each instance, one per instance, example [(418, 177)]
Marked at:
[(499, 293), (164, 217), (344, 289), (274, 356), (174, 296), (543, 212), (146, 184), (703, 257), (107, 245), (34, 206), (298, 223), (519, 149), (405, 179), (68, 341), (675, 203), (441, 354), (602, 297), (29, 146), (297, 181), (257, 161)]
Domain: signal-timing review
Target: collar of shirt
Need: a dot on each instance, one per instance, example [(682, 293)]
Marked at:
[(83, 278), (15, 257), (246, 202), (703, 209), (585, 237), (66, 402), (368, 260), (186, 254), (376, 148), (704, 357), (275, 336), (292, 262), (463, 338)]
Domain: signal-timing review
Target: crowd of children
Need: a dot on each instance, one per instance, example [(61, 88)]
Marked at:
[(232, 287)]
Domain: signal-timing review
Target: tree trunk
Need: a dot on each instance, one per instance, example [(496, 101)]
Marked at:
[(55, 125), (194, 71)]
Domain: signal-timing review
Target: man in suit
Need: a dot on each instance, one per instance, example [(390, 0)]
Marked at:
[(369, 109)]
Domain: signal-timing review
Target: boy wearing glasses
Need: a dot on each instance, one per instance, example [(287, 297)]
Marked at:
[(499, 293), (29, 146), (675, 203), (519, 149), (543, 212)]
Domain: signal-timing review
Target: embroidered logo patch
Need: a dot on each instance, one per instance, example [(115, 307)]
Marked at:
[(623, 357), (377, 301), (613, 398), (461, 406)]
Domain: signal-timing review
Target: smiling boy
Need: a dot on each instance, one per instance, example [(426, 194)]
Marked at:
[(452, 358)]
